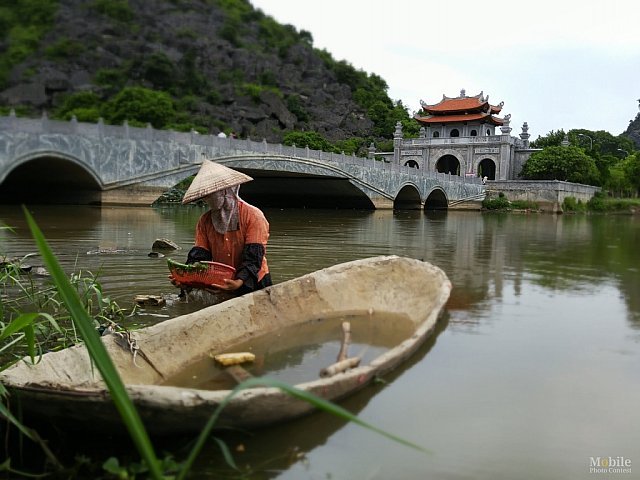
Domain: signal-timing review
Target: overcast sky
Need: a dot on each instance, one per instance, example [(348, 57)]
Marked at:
[(556, 64)]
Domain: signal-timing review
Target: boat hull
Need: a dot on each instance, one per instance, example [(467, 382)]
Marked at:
[(63, 386)]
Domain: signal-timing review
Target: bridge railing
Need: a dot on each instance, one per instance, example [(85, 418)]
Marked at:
[(218, 146)]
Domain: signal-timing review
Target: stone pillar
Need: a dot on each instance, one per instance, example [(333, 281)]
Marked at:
[(525, 135), (44, 121), (381, 203), (470, 159), (371, 151), (505, 128), (397, 143), (101, 128)]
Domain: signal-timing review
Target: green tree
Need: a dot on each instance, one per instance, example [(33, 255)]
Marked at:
[(551, 139), (569, 164), (631, 167), (159, 70), (84, 105), (140, 105), (619, 184), (312, 140), (357, 145)]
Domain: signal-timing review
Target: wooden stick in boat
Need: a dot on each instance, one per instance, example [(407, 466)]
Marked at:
[(238, 373), (346, 340), (231, 363), (341, 366)]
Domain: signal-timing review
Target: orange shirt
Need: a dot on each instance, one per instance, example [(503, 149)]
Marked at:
[(227, 248)]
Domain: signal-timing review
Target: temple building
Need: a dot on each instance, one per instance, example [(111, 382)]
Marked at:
[(464, 136)]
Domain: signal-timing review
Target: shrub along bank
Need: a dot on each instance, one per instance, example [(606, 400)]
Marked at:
[(600, 203)]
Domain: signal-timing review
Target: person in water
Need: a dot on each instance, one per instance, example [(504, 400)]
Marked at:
[(232, 231)]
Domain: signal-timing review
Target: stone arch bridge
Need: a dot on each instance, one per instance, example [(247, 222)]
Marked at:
[(47, 161)]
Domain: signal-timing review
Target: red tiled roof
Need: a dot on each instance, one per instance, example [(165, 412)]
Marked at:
[(463, 103), (456, 105), (435, 119)]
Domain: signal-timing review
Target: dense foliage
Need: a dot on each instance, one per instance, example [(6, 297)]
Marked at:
[(568, 164), (351, 146), (594, 158)]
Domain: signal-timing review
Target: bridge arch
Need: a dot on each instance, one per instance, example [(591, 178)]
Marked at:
[(52, 178), (448, 163), (407, 198), (299, 183), (436, 200)]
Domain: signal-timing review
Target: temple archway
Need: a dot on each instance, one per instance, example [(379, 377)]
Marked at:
[(448, 164), (487, 168), (412, 164)]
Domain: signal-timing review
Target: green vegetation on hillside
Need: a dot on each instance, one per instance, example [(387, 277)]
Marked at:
[(23, 23), (188, 83)]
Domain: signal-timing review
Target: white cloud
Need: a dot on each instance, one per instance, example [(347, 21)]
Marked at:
[(556, 64)]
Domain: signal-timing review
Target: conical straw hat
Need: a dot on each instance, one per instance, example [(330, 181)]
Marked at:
[(211, 178)]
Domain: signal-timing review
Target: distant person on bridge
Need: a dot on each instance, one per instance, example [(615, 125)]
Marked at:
[(232, 232)]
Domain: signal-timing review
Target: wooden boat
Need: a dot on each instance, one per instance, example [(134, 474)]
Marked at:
[(63, 387)]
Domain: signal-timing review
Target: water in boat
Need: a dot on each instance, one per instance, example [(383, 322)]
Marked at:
[(298, 353)]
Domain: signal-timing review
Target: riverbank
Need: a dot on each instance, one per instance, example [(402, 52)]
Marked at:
[(597, 204), (548, 195)]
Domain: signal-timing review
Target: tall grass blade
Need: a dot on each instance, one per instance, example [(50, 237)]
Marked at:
[(325, 405), (314, 400), (226, 453), (4, 411), (98, 352), (18, 324), (30, 337)]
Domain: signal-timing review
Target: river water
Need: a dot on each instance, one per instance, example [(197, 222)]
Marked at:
[(534, 370)]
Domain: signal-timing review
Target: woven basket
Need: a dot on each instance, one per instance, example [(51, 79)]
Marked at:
[(201, 274)]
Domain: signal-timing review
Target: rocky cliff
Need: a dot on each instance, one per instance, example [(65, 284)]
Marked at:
[(225, 65), (633, 131)]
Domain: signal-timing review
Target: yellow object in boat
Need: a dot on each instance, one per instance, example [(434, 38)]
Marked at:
[(234, 358)]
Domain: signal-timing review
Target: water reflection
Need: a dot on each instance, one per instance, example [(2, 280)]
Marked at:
[(537, 367), (480, 253)]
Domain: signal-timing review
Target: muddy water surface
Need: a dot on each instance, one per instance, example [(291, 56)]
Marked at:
[(534, 369)]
